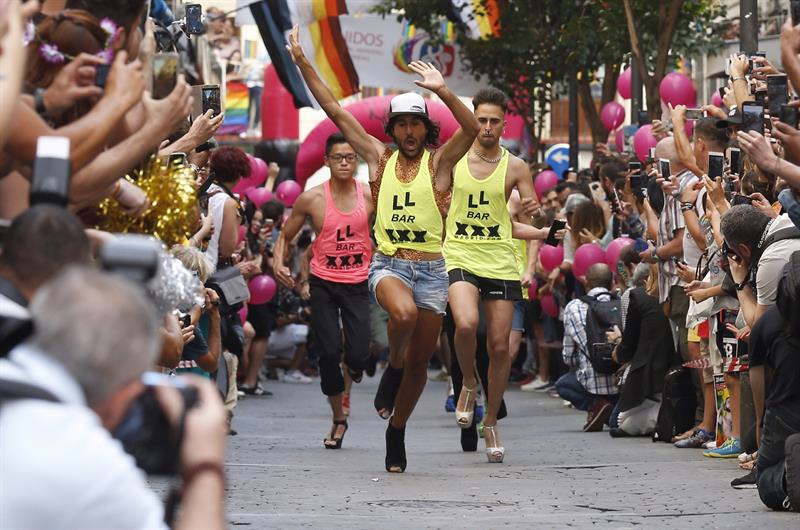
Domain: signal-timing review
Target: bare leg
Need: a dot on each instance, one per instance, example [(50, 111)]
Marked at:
[(464, 300), (299, 357), (709, 408), (396, 298), (249, 335), (258, 349), (415, 370), (542, 352), (514, 340), (498, 328)]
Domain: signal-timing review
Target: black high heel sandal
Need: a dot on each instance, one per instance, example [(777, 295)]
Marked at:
[(387, 391), (337, 442), (395, 449)]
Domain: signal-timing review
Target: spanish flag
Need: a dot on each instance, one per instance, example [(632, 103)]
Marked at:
[(481, 17)]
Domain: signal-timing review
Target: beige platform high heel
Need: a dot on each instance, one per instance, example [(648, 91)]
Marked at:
[(494, 453), (464, 418)]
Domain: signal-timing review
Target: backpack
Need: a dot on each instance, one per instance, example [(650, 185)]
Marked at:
[(601, 316), (678, 404)]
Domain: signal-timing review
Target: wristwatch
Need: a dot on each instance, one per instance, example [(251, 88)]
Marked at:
[(654, 254), (38, 100), (740, 286)]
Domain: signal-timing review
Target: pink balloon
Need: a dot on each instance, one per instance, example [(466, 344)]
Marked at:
[(716, 99), (258, 171), (643, 140), (549, 305), (619, 140), (586, 256), (544, 181), (612, 115), (533, 290), (614, 249), (262, 289), (243, 313), (259, 195), (677, 89), (242, 234), (242, 186), (551, 257), (288, 191), (624, 84)]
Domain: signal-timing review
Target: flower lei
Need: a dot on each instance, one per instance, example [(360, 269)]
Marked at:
[(52, 55)]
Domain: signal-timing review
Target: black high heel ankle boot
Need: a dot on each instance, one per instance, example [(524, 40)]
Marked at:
[(395, 449)]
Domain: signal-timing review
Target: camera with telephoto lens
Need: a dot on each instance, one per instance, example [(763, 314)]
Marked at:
[(147, 434)]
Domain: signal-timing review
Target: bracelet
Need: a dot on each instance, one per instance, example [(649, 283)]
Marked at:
[(190, 474), (687, 206), (741, 78), (38, 99), (654, 254)]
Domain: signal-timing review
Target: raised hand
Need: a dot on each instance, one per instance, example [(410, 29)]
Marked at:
[(294, 48), (72, 84), (432, 78)]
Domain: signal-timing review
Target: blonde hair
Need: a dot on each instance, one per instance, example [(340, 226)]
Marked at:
[(193, 260)]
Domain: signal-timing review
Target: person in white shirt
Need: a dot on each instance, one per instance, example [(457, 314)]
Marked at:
[(95, 337)]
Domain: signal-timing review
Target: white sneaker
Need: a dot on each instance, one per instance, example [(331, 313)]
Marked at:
[(533, 385), (295, 376)]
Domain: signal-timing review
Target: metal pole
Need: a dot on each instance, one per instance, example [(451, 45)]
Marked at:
[(636, 92), (748, 32), (573, 121)]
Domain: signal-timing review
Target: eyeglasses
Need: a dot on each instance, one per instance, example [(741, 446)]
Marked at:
[(338, 158)]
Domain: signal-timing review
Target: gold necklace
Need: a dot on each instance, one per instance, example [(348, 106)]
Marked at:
[(487, 159)]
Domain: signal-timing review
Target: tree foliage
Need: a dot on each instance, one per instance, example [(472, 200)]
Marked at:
[(544, 42)]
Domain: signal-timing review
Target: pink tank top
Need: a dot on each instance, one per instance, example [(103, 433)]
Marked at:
[(343, 249)]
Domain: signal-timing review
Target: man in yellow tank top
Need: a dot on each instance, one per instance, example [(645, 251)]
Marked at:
[(483, 259), (410, 188)]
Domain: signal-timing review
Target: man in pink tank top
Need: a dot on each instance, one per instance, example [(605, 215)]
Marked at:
[(339, 211)]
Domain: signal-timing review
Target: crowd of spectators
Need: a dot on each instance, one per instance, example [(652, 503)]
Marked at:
[(704, 290)]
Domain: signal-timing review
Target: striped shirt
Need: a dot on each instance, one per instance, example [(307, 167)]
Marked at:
[(575, 349), (669, 222)]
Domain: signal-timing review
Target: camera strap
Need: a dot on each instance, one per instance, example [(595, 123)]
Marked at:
[(11, 389)]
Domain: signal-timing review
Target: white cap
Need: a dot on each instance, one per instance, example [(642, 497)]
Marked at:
[(408, 103)]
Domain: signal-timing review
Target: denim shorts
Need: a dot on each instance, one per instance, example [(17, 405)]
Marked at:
[(518, 320), (426, 279)]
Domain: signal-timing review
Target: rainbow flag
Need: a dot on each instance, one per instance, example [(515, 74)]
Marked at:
[(305, 12), (482, 21), (236, 106), (333, 58)]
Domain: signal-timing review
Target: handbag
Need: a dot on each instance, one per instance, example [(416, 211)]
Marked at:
[(231, 288)]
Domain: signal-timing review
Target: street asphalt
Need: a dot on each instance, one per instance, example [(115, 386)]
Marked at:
[(554, 475)]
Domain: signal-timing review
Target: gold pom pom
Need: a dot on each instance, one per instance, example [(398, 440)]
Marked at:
[(172, 194)]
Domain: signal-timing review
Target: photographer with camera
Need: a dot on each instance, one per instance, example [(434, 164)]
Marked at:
[(66, 390), (39, 243)]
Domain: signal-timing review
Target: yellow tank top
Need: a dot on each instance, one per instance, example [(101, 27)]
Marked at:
[(479, 225), (406, 213)]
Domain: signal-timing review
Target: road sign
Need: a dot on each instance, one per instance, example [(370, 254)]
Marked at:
[(557, 157)]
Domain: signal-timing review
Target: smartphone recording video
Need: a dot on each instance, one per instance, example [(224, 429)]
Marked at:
[(165, 74), (716, 165), (664, 168), (777, 93), (194, 19), (694, 114), (753, 117), (789, 115)]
